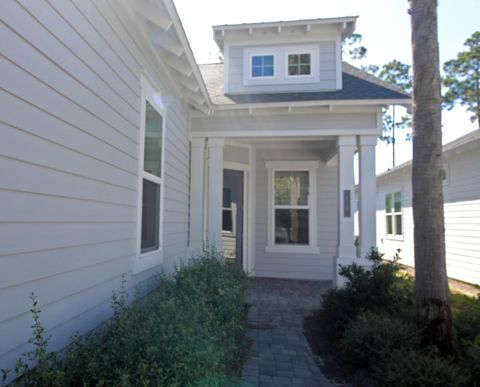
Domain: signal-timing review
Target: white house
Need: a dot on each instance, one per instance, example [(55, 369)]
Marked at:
[(119, 155), (461, 189)]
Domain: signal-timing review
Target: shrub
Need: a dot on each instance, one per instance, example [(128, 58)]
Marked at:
[(380, 289), (418, 369), (186, 333), (370, 337)]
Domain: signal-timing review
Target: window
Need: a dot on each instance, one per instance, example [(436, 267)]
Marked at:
[(393, 214), (299, 64), (227, 212), (152, 135), (262, 66), (292, 220)]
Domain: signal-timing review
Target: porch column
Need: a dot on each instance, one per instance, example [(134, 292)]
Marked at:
[(197, 169), (346, 146), (367, 194), (215, 191)]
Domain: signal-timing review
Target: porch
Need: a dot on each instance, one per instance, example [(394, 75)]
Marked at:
[(283, 206)]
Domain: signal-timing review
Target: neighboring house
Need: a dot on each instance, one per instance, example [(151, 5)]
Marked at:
[(120, 156), (461, 190)]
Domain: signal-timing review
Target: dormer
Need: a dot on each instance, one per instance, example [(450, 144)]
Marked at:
[(285, 56)]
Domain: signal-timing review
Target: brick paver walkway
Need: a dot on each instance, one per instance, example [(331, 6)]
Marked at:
[(279, 354)]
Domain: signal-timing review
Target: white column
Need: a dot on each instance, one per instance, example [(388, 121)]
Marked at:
[(215, 191), (197, 172), (346, 191), (367, 194)]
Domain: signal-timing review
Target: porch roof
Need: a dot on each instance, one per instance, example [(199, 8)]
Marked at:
[(357, 85)]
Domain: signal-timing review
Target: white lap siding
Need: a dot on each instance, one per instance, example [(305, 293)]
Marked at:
[(69, 124)]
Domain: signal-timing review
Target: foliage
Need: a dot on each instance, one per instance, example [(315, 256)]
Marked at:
[(462, 79), (466, 316), (413, 368), (186, 333), (399, 75), (381, 288), (353, 47), (371, 337)]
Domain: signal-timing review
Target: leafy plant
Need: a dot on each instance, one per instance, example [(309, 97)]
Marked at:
[(371, 337), (379, 288), (187, 332), (415, 368)]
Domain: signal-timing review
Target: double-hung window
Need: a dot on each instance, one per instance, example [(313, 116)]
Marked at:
[(393, 214), (292, 214), (149, 241)]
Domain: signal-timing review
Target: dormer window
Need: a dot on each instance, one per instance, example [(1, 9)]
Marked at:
[(299, 64), (262, 66)]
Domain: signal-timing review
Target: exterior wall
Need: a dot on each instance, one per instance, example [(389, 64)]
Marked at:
[(327, 68), (462, 215), (288, 265), (69, 166)]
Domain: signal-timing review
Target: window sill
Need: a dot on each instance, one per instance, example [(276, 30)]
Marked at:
[(147, 261), (292, 249), (398, 238)]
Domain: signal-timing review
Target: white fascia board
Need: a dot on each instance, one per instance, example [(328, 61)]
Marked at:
[(177, 24), (286, 133), (354, 102)]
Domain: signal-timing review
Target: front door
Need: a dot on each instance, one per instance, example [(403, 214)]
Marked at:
[(232, 216)]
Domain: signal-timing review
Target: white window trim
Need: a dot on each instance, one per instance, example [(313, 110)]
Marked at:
[(150, 93), (300, 76), (396, 237), (250, 66), (311, 167), (280, 66)]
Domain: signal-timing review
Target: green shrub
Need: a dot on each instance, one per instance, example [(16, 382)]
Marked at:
[(418, 369), (380, 289), (370, 337), (466, 317), (186, 333), (471, 362)]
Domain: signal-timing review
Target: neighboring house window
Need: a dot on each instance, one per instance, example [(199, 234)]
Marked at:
[(299, 64), (292, 217), (262, 66), (150, 188), (393, 214)]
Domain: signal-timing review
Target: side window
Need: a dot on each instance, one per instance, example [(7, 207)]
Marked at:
[(393, 214), (262, 66), (152, 179), (150, 185)]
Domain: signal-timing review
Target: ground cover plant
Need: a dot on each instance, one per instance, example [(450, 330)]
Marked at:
[(371, 322), (188, 332)]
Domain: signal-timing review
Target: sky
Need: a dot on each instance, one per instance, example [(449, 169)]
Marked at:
[(383, 24)]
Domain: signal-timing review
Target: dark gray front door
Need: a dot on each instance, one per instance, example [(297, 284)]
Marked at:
[(232, 216)]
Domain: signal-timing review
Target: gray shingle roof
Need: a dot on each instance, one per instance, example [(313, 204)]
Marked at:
[(357, 85)]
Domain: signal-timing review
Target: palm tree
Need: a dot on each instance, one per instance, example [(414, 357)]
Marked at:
[(431, 283)]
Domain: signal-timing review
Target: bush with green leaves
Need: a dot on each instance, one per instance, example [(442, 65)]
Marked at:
[(186, 333), (414, 368), (380, 288), (371, 337)]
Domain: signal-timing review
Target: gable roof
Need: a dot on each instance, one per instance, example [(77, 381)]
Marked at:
[(357, 85), (461, 142)]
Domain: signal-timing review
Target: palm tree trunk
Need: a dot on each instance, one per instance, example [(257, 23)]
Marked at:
[(431, 283)]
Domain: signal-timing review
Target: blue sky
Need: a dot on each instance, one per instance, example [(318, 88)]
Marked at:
[(384, 25)]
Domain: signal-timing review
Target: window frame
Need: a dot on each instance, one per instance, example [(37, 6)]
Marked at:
[(293, 166), (299, 76), (149, 92), (393, 214), (232, 211), (262, 76)]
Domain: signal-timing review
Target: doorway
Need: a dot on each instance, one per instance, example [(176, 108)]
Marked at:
[(232, 216)]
